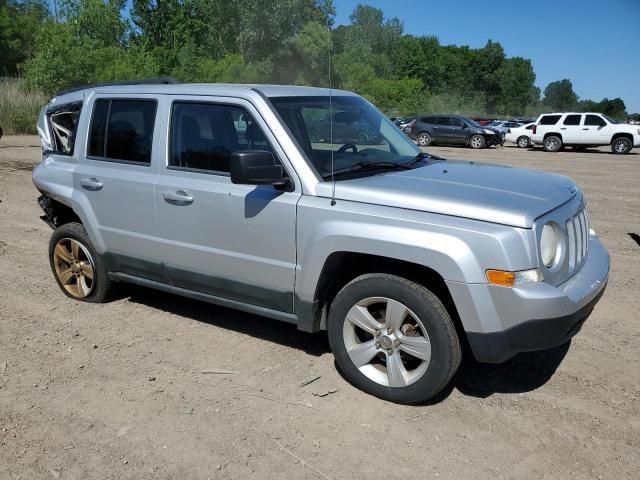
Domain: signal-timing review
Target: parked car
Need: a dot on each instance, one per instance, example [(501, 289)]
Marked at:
[(401, 256), (453, 130), (502, 126), (582, 130), (521, 135), (406, 123)]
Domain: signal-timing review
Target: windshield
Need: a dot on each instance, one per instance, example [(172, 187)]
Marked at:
[(610, 120), (349, 126), (472, 123)]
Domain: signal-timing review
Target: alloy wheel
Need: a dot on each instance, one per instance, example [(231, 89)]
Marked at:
[(386, 341), (74, 267), (620, 146)]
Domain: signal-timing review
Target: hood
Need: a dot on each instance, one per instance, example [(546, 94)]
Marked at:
[(480, 191)]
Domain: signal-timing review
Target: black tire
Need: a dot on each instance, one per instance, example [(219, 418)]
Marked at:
[(621, 145), (553, 143), (523, 141), (445, 352), (477, 142), (424, 139), (101, 285)]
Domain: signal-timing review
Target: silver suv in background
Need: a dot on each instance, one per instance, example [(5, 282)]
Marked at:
[(218, 193), (583, 130)]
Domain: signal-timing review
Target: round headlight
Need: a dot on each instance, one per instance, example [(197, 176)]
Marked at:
[(550, 245)]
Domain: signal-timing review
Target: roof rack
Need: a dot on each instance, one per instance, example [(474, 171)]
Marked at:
[(148, 81)]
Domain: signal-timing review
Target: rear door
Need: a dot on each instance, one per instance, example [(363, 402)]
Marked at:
[(571, 129), (232, 241), (115, 178)]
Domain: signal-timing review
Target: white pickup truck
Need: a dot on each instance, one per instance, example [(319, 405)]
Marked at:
[(582, 130)]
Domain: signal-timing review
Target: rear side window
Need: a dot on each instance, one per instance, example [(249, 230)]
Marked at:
[(572, 120), (549, 119), (122, 130), (204, 135), (594, 121), (63, 121), (428, 119)]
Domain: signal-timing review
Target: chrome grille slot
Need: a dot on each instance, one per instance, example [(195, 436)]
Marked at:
[(578, 239)]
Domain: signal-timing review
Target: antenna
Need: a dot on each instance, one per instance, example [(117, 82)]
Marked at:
[(333, 180)]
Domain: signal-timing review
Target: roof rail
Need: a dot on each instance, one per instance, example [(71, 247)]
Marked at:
[(148, 81)]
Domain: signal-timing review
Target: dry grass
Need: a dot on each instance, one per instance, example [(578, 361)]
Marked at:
[(19, 107)]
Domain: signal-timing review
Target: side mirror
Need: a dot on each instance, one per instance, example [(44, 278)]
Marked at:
[(256, 167)]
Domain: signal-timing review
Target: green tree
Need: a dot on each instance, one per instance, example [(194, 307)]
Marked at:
[(516, 80), (19, 24), (560, 95)]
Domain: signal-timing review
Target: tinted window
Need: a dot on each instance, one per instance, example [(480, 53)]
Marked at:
[(549, 119), (456, 122), (428, 119), (203, 136), (128, 128), (444, 121), (572, 119), (594, 120)]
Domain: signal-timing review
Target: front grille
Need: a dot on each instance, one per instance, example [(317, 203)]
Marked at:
[(578, 232)]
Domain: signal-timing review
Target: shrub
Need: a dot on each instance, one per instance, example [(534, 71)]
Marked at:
[(19, 107)]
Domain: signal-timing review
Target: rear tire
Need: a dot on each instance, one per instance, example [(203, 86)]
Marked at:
[(477, 141), (424, 139), (621, 145), (552, 143), (393, 338), (523, 142), (78, 269)]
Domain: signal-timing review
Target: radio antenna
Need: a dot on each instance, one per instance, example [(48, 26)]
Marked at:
[(333, 180)]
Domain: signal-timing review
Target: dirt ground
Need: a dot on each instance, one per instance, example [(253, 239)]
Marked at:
[(157, 386)]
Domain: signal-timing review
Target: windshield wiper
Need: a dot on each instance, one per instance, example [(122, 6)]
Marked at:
[(363, 166), (422, 156)]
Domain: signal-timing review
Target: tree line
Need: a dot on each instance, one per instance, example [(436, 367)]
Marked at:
[(278, 41)]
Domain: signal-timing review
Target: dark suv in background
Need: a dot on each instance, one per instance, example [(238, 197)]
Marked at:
[(453, 129)]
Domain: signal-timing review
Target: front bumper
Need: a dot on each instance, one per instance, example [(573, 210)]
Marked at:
[(502, 322)]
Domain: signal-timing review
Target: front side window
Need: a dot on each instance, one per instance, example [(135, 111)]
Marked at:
[(122, 130), (204, 135), (572, 119), (456, 122), (594, 121), (345, 131), (444, 121), (549, 119)]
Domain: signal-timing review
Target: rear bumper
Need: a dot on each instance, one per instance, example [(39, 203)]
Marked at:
[(502, 322)]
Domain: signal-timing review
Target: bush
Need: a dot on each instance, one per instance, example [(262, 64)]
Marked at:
[(19, 107)]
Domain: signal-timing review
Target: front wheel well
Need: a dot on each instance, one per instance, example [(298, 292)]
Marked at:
[(56, 213), (342, 267)]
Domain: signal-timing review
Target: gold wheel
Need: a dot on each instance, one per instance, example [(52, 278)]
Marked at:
[(74, 267)]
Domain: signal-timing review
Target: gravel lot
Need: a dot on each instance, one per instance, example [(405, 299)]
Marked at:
[(157, 386)]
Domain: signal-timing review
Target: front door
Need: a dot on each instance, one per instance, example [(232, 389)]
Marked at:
[(231, 241), (595, 131)]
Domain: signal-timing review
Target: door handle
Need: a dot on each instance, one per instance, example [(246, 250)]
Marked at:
[(92, 184), (179, 198), (585, 129), (563, 128)]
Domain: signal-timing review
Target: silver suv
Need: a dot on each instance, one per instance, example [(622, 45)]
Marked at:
[(218, 193)]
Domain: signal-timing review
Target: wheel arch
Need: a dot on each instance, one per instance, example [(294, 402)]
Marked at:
[(552, 134), (622, 134)]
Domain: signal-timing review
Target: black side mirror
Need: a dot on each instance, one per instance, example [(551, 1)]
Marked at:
[(256, 167)]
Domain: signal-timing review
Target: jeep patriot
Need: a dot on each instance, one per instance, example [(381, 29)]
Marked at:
[(219, 193)]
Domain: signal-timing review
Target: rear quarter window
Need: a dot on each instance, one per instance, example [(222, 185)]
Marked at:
[(549, 119)]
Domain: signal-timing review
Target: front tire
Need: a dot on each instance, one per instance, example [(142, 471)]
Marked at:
[(552, 143), (621, 145), (424, 139), (393, 338), (523, 142), (78, 269), (477, 141)]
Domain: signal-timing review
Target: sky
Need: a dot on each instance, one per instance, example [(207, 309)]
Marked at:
[(593, 43)]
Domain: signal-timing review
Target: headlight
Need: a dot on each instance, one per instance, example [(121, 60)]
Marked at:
[(489, 132), (550, 245)]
